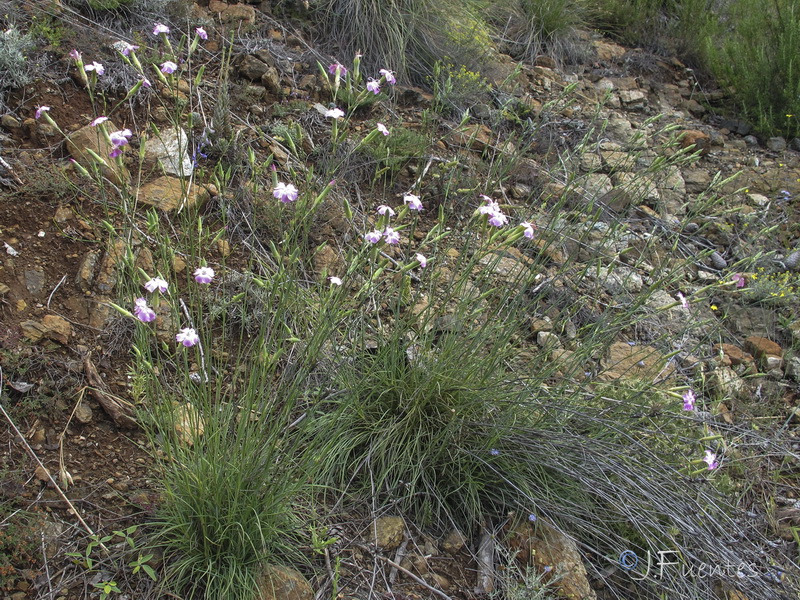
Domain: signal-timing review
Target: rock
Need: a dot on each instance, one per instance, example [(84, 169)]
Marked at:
[(34, 281), (252, 67), (548, 340), (699, 139), (734, 354), (387, 532), (169, 193), (272, 81), (475, 136), (189, 423), (283, 583), (89, 138), (626, 361), (51, 327), (454, 543), (83, 413), (766, 352), (620, 280), (506, 267), (543, 546), (9, 121), (85, 275), (633, 99), (106, 277), (100, 312), (238, 12), (793, 368), (608, 51), (170, 149), (696, 180), (776, 144), (725, 383)]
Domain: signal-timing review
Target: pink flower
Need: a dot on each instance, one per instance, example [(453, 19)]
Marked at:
[(423, 262), (98, 120), (682, 299), (159, 28), (145, 82), (40, 110), (337, 69), (385, 210), (373, 237), (285, 192), (530, 229), (389, 76), (188, 337), (124, 48), (334, 113), (156, 283), (168, 67), (711, 460), (143, 312), (492, 208), (120, 138), (335, 280), (688, 400), (96, 67), (739, 280), (414, 203), (201, 33), (204, 274), (75, 55), (374, 87), (498, 219), (391, 236), (382, 128)]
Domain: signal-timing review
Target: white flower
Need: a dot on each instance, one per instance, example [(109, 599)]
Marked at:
[(414, 203), (334, 113)]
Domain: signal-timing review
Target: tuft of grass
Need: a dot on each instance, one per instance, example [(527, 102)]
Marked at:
[(530, 28)]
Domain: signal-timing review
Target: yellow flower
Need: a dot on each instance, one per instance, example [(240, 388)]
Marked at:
[(713, 307)]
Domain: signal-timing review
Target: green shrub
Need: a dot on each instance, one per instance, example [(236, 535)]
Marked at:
[(756, 53)]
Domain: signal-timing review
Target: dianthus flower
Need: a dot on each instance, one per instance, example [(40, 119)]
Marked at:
[(156, 283), (414, 203), (389, 76), (143, 312), (391, 236), (285, 192), (204, 274), (188, 337)]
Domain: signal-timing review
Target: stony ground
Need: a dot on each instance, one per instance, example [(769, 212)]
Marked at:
[(63, 353)]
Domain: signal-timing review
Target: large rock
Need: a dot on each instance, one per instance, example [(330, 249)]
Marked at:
[(90, 138), (387, 532), (283, 583), (627, 361), (544, 547), (171, 193), (170, 149), (768, 354)]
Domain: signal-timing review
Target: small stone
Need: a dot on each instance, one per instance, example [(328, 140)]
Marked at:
[(387, 532), (548, 340), (85, 275), (83, 413), (776, 144), (10, 121), (34, 281), (454, 542), (58, 328), (699, 139)]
